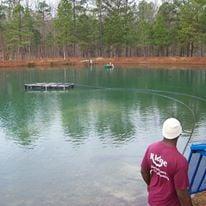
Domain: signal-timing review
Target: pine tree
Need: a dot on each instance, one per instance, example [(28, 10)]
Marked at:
[(145, 19), (28, 31), (165, 28), (2, 28), (64, 25), (14, 32), (43, 19), (87, 34)]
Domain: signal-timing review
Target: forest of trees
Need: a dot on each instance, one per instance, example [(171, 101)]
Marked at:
[(110, 28)]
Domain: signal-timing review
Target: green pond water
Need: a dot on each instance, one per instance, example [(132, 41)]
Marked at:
[(83, 147)]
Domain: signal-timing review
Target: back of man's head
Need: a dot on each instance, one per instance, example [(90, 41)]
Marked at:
[(171, 129)]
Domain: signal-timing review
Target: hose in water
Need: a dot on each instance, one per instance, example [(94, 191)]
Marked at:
[(157, 93)]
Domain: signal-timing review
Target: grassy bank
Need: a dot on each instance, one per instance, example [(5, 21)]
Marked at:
[(118, 61)]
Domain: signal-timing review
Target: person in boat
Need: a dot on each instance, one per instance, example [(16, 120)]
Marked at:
[(110, 65), (165, 169)]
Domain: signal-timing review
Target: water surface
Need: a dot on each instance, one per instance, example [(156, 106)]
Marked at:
[(84, 146)]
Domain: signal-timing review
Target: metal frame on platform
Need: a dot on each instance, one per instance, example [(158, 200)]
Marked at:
[(48, 86), (197, 168)]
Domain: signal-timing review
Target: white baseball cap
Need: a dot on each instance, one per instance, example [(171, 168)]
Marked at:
[(171, 128)]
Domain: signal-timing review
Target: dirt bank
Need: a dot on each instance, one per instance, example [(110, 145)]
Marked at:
[(200, 199), (120, 61)]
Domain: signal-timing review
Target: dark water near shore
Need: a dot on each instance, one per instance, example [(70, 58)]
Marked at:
[(84, 146)]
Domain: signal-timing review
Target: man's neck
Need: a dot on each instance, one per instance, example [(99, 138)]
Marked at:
[(172, 142)]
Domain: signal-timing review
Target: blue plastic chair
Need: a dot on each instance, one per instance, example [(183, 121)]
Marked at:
[(197, 168)]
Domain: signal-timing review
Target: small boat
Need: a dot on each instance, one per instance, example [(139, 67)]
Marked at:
[(109, 66)]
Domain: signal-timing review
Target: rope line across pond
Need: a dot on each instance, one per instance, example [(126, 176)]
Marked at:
[(157, 93)]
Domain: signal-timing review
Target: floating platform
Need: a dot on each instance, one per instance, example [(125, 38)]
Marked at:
[(48, 86)]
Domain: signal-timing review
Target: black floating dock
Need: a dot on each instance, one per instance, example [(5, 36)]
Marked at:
[(48, 86)]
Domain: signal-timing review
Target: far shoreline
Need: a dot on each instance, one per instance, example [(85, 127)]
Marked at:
[(127, 62)]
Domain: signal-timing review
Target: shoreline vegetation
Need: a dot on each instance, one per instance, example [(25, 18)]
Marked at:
[(156, 62), (40, 29)]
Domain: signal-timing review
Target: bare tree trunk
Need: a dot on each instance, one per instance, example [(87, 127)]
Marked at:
[(181, 51), (191, 49), (99, 2), (167, 51), (74, 19), (188, 49), (202, 50), (2, 46), (64, 52)]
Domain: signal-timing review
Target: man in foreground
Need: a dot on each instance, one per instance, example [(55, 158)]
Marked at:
[(165, 170)]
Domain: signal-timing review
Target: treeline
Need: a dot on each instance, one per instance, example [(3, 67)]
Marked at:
[(102, 28)]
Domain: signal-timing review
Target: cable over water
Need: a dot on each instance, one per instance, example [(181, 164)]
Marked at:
[(156, 92), (152, 90)]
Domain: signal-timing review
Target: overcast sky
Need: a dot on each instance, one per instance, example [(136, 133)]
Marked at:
[(54, 3)]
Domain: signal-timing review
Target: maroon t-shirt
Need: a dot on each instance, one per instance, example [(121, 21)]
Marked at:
[(168, 170)]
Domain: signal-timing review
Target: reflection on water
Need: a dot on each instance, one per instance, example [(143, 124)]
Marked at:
[(84, 146)]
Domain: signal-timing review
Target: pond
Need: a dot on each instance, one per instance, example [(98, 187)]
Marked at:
[(84, 146)]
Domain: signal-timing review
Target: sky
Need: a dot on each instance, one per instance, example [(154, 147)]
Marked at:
[(54, 3)]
